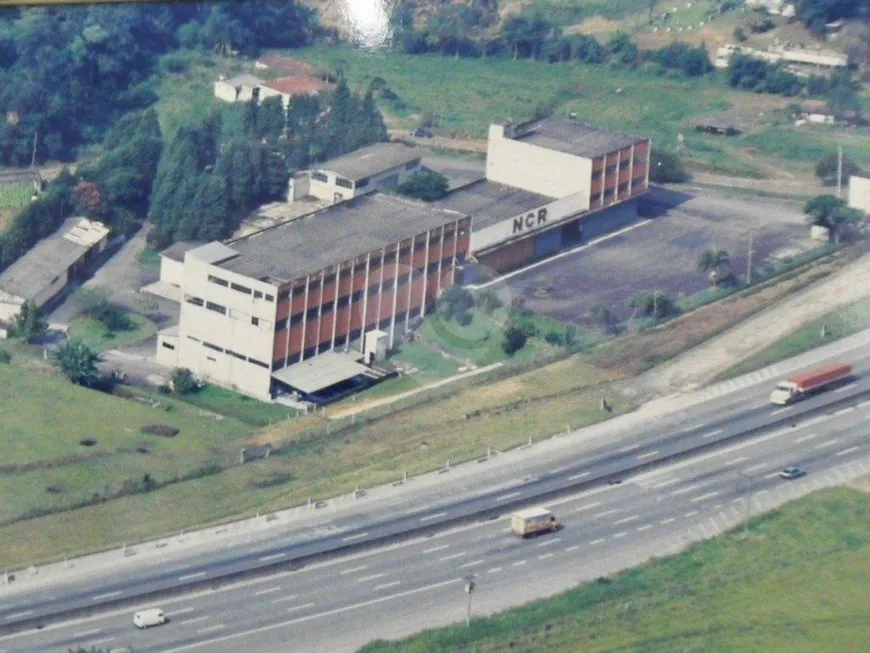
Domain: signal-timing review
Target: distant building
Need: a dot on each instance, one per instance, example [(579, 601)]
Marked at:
[(246, 87), (43, 272), (287, 67), (859, 193), (371, 168), (715, 125)]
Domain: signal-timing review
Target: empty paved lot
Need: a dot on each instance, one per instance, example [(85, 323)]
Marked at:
[(663, 254)]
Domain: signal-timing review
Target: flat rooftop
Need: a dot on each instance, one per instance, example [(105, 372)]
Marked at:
[(488, 202), (332, 235), (573, 137), (371, 160), (51, 257), (321, 372)]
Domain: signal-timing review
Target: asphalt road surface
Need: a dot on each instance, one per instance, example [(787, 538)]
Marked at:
[(345, 602)]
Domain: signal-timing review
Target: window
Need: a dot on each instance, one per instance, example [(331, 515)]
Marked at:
[(258, 363), (194, 339), (270, 298), (241, 289), (384, 324), (622, 187), (389, 284), (211, 346), (344, 183), (255, 321), (328, 279), (279, 364), (390, 258), (258, 294), (357, 296), (212, 359), (167, 345), (308, 353), (296, 319), (404, 251), (218, 281), (280, 325), (610, 170), (343, 301), (411, 165), (326, 309), (311, 314), (284, 295), (420, 244), (391, 180), (319, 176), (236, 355), (362, 183), (217, 308), (196, 301), (373, 289)]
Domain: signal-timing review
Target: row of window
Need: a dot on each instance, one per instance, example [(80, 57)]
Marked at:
[(229, 352), (609, 170), (257, 294), (217, 308)]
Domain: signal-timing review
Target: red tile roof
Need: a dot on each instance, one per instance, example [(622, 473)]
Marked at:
[(289, 67), (297, 85)]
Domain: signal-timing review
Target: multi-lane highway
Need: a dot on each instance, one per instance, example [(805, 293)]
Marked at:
[(341, 603)]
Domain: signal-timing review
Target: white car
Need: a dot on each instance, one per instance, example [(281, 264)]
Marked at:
[(149, 617), (792, 473)]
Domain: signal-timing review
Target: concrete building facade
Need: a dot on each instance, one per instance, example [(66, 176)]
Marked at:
[(371, 168), (43, 272), (859, 193), (256, 308)]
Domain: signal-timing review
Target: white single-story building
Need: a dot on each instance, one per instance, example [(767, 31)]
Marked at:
[(859, 193)]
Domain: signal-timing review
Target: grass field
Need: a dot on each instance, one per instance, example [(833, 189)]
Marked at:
[(15, 196), (232, 404), (94, 333), (801, 581), (838, 324), (149, 258)]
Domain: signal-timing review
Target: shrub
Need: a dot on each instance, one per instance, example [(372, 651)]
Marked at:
[(555, 338), (161, 430), (488, 301), (183, 382), (514, 340), (5, 356)]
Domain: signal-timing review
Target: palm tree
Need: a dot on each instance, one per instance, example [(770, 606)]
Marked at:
[(712, 261), (78, 363)]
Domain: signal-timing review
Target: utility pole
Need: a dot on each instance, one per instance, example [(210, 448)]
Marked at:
[(655, 306), (33, 154), (469, 589), (839, 169), (749, 259), (749, 488)]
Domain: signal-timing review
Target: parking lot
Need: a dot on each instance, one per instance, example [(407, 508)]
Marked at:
[(663, 253)]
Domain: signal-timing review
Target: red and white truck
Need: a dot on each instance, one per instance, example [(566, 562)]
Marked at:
[(533, 521), (799, 386)]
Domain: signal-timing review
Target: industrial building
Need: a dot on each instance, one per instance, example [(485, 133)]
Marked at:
[(859, 193), (299, 307), (43, 272), (366, 170), (549, 184)]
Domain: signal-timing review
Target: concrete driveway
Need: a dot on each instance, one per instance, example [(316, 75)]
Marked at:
[(662, 254)]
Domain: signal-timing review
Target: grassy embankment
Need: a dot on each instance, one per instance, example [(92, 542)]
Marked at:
[(498, 412), (801, 581)]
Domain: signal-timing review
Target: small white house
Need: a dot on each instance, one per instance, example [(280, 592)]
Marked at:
[(859, 193)]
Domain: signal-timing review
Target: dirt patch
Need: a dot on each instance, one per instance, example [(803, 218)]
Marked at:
[(71, 459), (862, 484), (161, 430)]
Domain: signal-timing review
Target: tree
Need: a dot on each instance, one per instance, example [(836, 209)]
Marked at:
[(88, 199), (514, 339), (602, 316), (426, 185), (622, 49), (183, 382), (815, 14), (653, 304), (832, 213), (712, 261), (826, 168), (666, 167), (78, 363), (29, 326), (488, 301), (112, 316), (455, 304)]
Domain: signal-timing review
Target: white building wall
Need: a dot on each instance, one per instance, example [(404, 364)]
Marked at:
[(267, 92), (171, 271), (535, 169), (10, 306), (224, 91), (859, 194), (232, 331), (327, 190)]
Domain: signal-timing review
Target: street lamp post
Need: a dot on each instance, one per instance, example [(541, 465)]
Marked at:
[(749, 480), (469, 589)]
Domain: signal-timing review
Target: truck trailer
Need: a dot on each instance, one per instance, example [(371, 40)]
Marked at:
[(801, 385), (532, 521)]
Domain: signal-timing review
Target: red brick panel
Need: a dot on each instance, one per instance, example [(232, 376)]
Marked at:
[(509, 257), (326, 327), (311, 333), (279, 346), (295, 339)]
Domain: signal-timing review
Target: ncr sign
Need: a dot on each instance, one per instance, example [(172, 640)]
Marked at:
[(529, 221)]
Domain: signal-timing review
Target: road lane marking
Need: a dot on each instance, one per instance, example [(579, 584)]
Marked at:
[(275, 556), (618, 535), (780, 410), (493, 570), (518, 563), (712, 433), (630, 448), (704, 496), (544, 556), (647, 455), (645, 528), (692, 513), (209, 629), (268, 591), (773, 475), (350, 538), (353, 570), (686, 489), (668, 520), (607, 512), (505, 497), (550, 541), (198, 574), (845, 387), (845, 451), (829, 443), (659, 486), (588, 506), (435, 516), (437, 548), (454, 556), (755, 468), (283, 599), (572, 548), (737, 460), (111, 594), (88, 633), (627, 519), (576, 476), (296, 608), (598, 541), (366, 579), (194, 620), (472, 564), (386, 585), (183, 610), (806, 437)]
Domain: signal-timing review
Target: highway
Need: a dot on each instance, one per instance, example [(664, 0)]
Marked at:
[(419, 582)]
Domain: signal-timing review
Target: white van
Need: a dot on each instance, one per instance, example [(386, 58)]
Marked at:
[(149, 617)]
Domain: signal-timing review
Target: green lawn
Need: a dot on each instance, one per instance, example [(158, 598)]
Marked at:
[(15, 196), (149, 258), (800, 582), (96, 336), (432, 365), (839, 324), (232, 404)]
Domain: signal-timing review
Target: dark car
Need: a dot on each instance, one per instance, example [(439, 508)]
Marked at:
[(792, 473), (421, 133)]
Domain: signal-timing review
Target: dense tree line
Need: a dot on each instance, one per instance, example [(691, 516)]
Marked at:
[(815, 14), (68, 73), (241, 155)]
